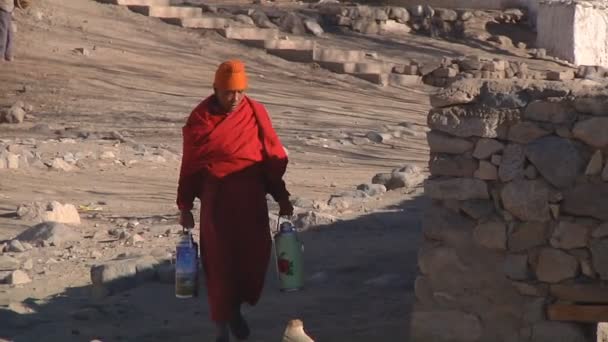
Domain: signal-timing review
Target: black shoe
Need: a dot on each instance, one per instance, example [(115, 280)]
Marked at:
[(239, 327)]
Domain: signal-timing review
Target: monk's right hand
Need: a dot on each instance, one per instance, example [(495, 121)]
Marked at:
[(186, 219)]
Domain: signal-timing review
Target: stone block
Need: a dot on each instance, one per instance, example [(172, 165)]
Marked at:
[(526, 132), (599, 256), (569, 235), (515, 266), (379, 79), (249, 33), (472, 121), (338, 55), (442, 143), (527, 200), (403, 80), (487, 147), (587, 200), (592, 131), (356, 67), (491, 234), (557, 159), (486, 171), (574, 31), (595, 165), (456, 188), (207, 23), (455, 166), (143, 2), (560, 75), (552, 110), (548, 331), (301, 51), (445, 326), (555, 266), (168, 11)]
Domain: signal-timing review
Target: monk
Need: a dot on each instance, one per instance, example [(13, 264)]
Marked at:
[(232, 158)]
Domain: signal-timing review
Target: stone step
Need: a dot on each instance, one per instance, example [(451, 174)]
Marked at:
[(301, 51), (379, 79), (399, 80), (143, 2), (168, 11), (255, 34), (338, 55), (357, 67), (207, 23)]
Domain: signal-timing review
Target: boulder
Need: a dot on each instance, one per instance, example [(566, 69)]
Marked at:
[(52, 233), (49, 212)]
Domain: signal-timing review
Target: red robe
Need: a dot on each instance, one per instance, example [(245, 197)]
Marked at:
[(230, 162)]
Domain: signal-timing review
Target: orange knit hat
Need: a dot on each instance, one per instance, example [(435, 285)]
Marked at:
[(231, 75)]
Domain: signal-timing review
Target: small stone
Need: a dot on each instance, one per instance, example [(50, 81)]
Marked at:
[(83, 51), (595, 164), (107, 155), (531, 172), (442, 143), (527, 200), (14, 115), (28, 264), (8, 263), (372, 189), (569, 235), (313, 27), (492, 235), (512, 163), (587, 268), (487, 147), (516, 266), (96, 254), (16, 246), (552, 110), (378, 137), (496, 159), (60, 165), (18, 277), (486, 171), (555, 266)]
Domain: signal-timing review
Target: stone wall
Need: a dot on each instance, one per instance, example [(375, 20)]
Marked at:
[(520, 207), (576, 31)]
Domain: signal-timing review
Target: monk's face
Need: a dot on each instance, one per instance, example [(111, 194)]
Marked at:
[(229, 99)]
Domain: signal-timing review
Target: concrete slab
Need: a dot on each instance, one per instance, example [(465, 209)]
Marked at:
[(301, 51), (249, 33), (357, 67), (338, 55), (207, 23), (399, 80), (143, 2), (168, 11), (576, 31)]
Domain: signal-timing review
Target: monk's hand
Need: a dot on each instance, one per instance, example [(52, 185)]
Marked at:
[(186, 219), (285, 208)]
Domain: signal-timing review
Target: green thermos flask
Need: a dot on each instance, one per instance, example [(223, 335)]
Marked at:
[(289, 252)]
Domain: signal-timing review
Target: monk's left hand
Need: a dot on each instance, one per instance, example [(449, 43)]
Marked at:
[(285, 208)]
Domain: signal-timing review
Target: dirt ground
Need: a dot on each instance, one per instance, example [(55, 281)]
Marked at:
[(142, 78)]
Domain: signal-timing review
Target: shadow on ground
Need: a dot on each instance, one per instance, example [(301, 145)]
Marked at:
[(360, 287)]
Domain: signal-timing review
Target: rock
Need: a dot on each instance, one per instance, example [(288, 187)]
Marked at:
[(15, 114), (587, 200), (592, 131), (49, 232), (365, 26), (8, 263), (312, 219), (244, 19), (382, 178), (455, 166), (492, 235), (261, 20), (378, 137), (444, 326), (107, 155), (18, 277), (456, 188), (122, 274), (16, 247), (486, 171), (496, 159), (527, 235), (569, 235), (528, 200), (399, 14), (531, 172), (605, 173), (502, 40), (595, 165), (552, 110), (83, 51), (477, 209), (394, 27), (408, 176), (446, 14), (446, 226), (372, 189), (557, 159), (515, 266), (547, 331), (28, 264), (487, 147), (313, 27), (441, 143), (526, 132), (135, 238), (460, 92), (567, 75), (512, 163), (599, 256), (601, 231), (12, 160), (60, 165), (470, 121), (530, 290), (291, 22), (555, 266)]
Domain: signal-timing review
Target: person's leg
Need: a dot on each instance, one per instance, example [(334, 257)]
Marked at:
[(238, 325), (10, 39), (5, 27)]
